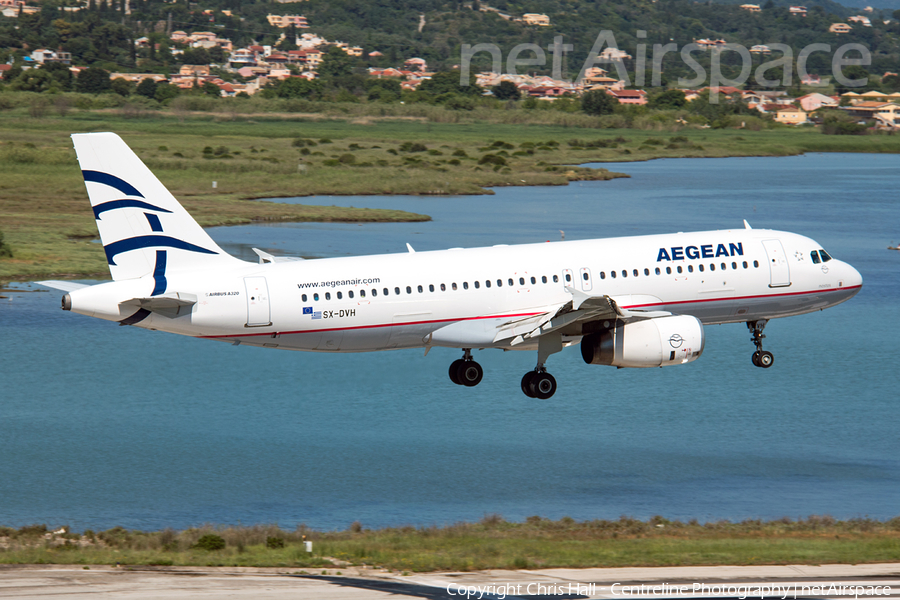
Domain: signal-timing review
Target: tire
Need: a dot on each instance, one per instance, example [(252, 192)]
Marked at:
[(766, 359), (454, 368), (469, 373), (755, 359), (526, 383), (543, 386)]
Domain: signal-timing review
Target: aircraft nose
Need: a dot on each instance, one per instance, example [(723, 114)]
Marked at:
[(851, 277)]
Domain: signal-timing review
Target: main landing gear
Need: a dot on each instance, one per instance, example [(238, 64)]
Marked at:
[(539, 383), (761, 358), (466, 371)]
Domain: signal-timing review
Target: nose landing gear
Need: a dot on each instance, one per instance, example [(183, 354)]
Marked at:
[(761, 358), (465, 371)]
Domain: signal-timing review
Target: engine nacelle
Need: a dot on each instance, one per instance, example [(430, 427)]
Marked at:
[(656, 342)]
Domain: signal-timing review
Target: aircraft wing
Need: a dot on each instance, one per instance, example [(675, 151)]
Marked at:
[(583, 308)]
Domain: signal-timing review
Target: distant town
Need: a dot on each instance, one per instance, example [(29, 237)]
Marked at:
[(209, 62)]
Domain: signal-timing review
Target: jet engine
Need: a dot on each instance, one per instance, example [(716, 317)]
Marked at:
[(656, 342)]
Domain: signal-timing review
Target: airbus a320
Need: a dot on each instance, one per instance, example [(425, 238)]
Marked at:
[(629, 301)]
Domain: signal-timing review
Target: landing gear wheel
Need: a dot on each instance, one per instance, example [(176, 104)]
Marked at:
[(543, 385), (526, 383), (761, 358), (765, 360), (469, 373), (454, 369), (754, 359)]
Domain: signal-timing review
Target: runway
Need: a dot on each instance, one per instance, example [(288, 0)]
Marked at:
[(877, 581)]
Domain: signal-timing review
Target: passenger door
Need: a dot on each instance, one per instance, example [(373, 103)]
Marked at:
[(258, 311), (779, 272)]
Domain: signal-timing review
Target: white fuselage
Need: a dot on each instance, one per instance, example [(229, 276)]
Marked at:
[(458, 298)]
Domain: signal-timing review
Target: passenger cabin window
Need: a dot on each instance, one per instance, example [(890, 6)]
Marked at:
[(556, 279), (453, 286), (510, 281), (612, 274), (658, 272), (430, 287), (646, 271), (568, 278), (350, 294), (487, 283), (339, 295), (814, 255), (745, 264), (328, 295), (734, 266), (543, 279), (534, 280), (443, 288), (602, 275), (397, 291), (690, 268), (477, 284), (756, 264), (724, 266), (316, 297), (408, 290), (362, 293), (303, 297), (825, 256), (385, 291), (712, 267), (624, 273), (679, 269), (584, 276), (668, 270), (499, 283), (521, 281), (700, 268), (374, 292), (635, 273), (419, 287)]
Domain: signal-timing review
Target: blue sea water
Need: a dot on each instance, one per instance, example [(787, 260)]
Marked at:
[(103, 425)]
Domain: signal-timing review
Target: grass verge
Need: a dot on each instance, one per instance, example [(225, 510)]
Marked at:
[(492, 543)]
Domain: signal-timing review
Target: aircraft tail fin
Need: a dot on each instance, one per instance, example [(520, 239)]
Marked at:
[(143, 228)]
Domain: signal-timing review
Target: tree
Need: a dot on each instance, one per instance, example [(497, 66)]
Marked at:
[(122, 86), (598, 102), (195, 56), (166, 91), (668, 100), (211, 89), (33, 80), (298, 87), (335, 63), (93, 80), (507, 90), (147, 87)]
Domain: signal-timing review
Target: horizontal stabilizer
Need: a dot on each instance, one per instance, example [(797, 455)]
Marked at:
[(173, 304), (65, 286)]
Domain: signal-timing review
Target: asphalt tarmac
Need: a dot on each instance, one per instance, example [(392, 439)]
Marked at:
[(878, 581)]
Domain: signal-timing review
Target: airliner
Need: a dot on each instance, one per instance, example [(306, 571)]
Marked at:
[(631, 302)]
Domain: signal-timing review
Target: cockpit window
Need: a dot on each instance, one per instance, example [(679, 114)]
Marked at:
[(814, 255), (824, 255)]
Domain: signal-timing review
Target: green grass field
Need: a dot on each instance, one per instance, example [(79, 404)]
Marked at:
[(490, 544), (45, 217)]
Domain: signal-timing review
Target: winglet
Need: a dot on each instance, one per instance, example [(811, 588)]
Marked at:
[(747, 225), (410, 248)]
